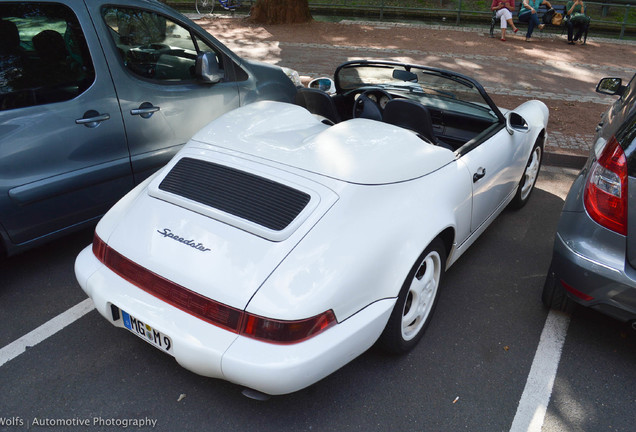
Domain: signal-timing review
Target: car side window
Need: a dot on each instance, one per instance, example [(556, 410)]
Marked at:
[(44, 57), (152, 46)]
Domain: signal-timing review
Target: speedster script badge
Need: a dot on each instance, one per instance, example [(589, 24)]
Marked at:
[(192, 243)]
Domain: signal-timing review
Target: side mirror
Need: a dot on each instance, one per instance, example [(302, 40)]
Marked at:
[(514, 122), (206, 68), (610, 86), (324, 84)]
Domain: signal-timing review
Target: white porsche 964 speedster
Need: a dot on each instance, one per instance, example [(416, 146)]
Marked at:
[(285, 240)]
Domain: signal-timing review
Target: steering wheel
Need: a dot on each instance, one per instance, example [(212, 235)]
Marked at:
[(368, 106)]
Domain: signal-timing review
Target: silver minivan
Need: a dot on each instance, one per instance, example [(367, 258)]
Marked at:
[(95, 95)]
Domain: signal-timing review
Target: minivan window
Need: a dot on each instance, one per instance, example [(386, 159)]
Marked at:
[(152, 46), (44, 57)]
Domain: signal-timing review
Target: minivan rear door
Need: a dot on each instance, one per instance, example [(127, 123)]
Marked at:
[(63, 152)]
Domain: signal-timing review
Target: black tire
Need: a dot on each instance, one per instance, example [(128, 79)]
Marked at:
[(407, 325), (529, 178), (554, 295), (204, 6)]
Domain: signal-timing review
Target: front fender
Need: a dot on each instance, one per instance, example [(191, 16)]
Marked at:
[(535, 112)]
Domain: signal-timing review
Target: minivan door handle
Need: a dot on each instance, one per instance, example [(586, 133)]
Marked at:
[(145, 110), (92, 119)]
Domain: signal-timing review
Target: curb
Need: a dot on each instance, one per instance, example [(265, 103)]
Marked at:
[(564, 160)]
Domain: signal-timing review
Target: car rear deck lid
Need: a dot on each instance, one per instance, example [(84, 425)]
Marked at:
[(248, 196), (245, 194)]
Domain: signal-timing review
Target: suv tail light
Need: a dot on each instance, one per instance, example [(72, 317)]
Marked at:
[(211, 311), (606, 190)]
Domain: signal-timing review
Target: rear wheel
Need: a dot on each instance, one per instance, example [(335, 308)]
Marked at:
[(529, 178), (416, 302), (204, 6), (554, 295)]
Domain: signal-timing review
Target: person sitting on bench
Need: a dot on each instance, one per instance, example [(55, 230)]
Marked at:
[(528, 14), (503, 12)]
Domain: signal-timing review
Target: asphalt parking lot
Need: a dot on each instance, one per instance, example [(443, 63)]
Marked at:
[(487, 362), (493, 359)]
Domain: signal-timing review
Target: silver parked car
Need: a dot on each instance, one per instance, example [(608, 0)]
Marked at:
[(594, 258), (96, 95)]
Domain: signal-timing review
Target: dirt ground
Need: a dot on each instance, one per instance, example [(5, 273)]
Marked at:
[(542, 49)]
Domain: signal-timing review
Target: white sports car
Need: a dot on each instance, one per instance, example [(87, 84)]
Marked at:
[(279, 243)]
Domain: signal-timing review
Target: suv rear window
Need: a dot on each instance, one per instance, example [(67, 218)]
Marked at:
[(44, 57)]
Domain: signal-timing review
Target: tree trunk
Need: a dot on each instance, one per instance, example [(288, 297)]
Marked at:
[(280, 12)]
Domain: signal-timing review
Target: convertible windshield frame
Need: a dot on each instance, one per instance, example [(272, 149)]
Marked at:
[(415, 80)]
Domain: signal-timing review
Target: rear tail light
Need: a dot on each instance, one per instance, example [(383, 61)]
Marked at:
[(606, 190), (213, 312), (285, 332)]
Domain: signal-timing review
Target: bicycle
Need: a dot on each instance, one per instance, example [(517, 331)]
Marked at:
[(207, 6)]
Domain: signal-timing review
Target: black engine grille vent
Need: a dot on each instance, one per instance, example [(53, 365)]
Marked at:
[(250, 197)]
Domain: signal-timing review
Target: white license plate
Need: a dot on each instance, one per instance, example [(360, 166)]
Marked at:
[(146, 332)]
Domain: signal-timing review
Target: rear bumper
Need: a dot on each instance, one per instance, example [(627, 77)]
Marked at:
[(211, 351), (597, 269)]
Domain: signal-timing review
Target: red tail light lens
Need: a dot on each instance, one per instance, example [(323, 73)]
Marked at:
[(286, 332), (178, 296), (213, 312), (606, 190)]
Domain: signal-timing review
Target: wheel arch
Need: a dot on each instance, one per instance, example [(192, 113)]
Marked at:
[(447, 236)]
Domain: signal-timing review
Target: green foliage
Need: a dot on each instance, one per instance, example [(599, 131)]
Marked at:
[(611, 14)]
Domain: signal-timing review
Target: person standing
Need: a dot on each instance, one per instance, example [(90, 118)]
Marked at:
[(575, 11), (528, 13), (504, 11)]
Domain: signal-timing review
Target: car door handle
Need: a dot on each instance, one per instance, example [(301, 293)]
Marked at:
[(145, 110), (92, 119), (481, 172), (599, 126)]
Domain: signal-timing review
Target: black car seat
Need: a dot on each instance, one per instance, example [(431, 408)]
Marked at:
[(53, 65), (12, 78), (411, 115), (318, 102), (50, 47), (9, 38)]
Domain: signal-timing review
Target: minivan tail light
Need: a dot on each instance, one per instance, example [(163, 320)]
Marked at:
[(216, 313), (605, 196)]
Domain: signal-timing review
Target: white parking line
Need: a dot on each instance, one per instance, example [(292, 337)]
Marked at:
[(536, 395), (532, 405), (45, 331)]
